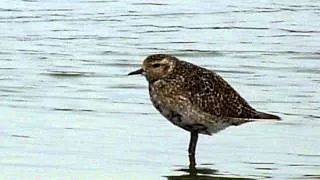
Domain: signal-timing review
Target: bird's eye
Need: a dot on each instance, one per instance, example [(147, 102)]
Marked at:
[(156, 65)]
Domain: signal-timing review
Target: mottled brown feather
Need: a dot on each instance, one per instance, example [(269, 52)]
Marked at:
[(195, 98), (208, 91)]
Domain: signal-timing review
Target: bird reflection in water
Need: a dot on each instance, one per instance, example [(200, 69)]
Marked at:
[(203, 173)]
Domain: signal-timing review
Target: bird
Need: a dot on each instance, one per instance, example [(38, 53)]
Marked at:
[(194, 98)]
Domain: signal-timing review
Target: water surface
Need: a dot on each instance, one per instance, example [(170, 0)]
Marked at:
[(68, 110)]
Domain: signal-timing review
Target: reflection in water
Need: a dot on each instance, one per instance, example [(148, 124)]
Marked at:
[(201, 173)]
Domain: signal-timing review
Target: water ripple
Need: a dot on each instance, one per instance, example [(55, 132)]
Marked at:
[(66, 98), (68, 74)]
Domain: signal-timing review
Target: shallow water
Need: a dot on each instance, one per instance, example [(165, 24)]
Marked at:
[(68, 110)]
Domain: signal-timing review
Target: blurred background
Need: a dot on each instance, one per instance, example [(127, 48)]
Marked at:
[(68, 110)]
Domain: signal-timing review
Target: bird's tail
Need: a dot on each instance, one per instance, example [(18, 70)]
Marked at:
[(262, 115)]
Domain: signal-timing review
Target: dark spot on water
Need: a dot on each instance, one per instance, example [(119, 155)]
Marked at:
[(313, 176), (73, 110), (152, 4), (68, 74), (196, 53), (265, 168), (257, 163), (314, 116), (304, 165), (20, 136), (305, 155), (127, 86), (300, 31)]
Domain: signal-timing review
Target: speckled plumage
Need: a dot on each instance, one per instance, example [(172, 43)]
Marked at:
[(195, 98)]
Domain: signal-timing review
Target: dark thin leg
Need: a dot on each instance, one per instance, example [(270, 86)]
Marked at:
[(192, 162), (193, 143), (192, 147)]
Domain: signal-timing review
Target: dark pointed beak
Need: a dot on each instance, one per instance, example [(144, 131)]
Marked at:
[(139, 71)]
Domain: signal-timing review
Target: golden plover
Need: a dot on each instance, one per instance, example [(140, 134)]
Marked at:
[(194, 98)]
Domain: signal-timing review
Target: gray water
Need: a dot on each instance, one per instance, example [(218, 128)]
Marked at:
[(68, 110)]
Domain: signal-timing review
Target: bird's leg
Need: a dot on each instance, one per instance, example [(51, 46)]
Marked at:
[(193, 143), (192, 162), (192, 147)]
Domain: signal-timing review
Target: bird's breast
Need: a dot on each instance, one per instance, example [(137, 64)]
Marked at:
[(180, 119), (174, 117)]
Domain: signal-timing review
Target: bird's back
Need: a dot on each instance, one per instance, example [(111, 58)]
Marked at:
[(211, 93)]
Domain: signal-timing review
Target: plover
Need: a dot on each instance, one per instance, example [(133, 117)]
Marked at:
[(195, 98)]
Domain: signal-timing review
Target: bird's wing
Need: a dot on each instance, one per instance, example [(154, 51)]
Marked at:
[(212, 94)]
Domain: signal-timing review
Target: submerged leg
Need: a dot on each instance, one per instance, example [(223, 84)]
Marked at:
[(192, 147)]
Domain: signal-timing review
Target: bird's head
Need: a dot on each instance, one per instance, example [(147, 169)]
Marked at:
[(156, 67)]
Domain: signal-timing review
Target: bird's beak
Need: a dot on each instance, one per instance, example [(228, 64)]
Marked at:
[(139, 71)]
